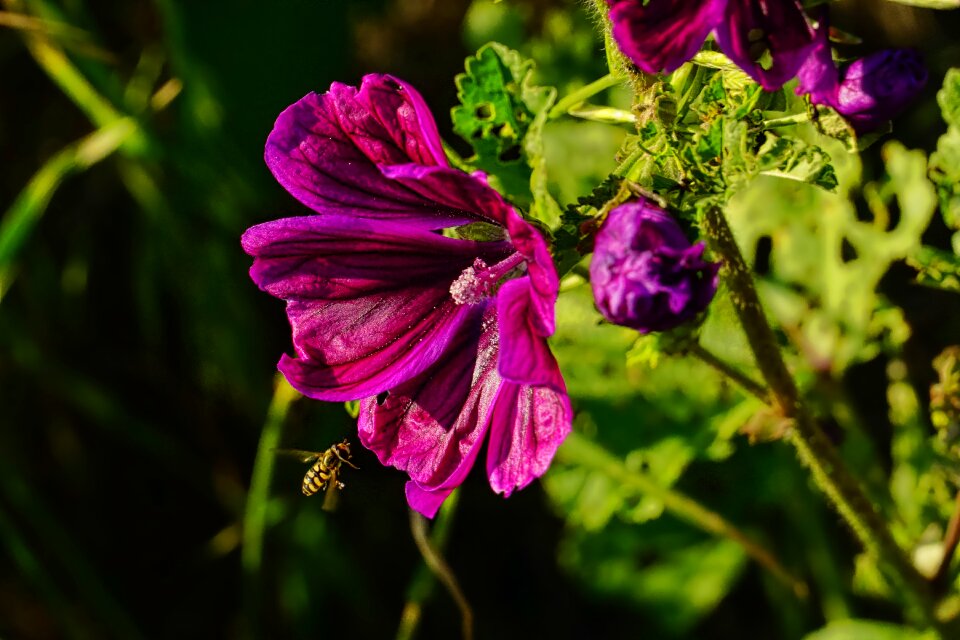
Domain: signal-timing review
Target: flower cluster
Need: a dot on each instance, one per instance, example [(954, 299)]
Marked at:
[(769, 39), (773, 41), (443, 339)]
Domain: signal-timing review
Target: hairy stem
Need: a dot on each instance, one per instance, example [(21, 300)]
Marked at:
[(436, 563), (422, 584), (579, 450), (950, 541), (581, 95), (813, 447)]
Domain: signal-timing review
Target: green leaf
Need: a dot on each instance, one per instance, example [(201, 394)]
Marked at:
[(352, 408), (949, 97), (931, 4), (501, 114), (826, 263), (936, 268), (673, 427), (675, 579), (945, 162), (794, 159), (868, 630)]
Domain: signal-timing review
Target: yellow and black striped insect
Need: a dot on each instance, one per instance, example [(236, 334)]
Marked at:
[(324, 473)]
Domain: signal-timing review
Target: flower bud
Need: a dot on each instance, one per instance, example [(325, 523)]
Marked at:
[(645, 274), (876, 88)]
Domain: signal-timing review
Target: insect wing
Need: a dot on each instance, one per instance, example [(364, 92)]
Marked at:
[(306, 457), (331, 496)]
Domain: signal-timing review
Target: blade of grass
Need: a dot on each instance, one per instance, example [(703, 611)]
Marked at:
[(31, 203), (57, 65), (23, 215), (258, 500), (69, 36)]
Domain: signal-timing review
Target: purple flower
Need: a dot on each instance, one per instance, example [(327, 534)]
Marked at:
[(871, 90), (876, 88), (645, 274), (443, 339), (661, 35)]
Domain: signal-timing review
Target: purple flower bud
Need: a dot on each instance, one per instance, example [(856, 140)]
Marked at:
[(871, 91), (645, 274), (876, 88)]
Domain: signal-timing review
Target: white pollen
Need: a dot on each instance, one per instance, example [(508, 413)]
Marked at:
[(473, 285)]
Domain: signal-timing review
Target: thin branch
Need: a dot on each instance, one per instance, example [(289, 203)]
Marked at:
[(423, 581), (435, 562)]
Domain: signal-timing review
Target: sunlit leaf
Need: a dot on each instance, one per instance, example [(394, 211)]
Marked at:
[(868, 630), (499, 107)]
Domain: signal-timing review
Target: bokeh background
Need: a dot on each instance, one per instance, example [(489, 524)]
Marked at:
[(137, 360)]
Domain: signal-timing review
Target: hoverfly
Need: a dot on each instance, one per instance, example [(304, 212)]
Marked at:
[(324, 473)]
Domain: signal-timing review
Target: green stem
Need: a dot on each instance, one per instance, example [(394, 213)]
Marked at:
[(950, 542), (581, 451), (421, 586), (747, 383), (603, 115), (582, 94), (258, 499), (786, 121), (813, 447), (434, 560)]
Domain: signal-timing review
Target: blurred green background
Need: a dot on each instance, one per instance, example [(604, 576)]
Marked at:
[(137, 359)]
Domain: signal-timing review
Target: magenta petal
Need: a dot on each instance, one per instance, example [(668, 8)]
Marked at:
[(368, 310), (818, 76), (779, 26), (402, 113), (542, 273), (426, 502), (662, 35), (528, 425), (337, 257), (525, 356), (452, 188), (433, 425), (327, 150)]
